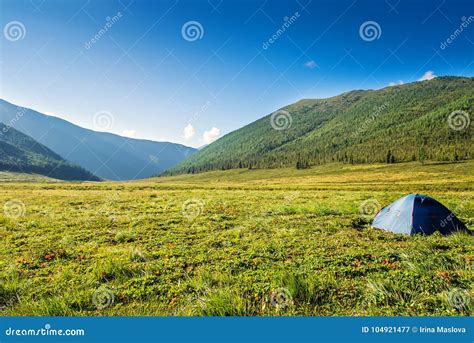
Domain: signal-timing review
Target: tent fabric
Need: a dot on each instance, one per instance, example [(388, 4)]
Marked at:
[(416, 213)]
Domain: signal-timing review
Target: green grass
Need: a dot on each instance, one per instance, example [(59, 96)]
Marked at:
[(23, 177), (248, 242)]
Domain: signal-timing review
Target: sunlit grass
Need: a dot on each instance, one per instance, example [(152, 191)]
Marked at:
[(292, 235)]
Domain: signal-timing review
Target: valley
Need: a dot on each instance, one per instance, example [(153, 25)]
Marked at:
[(237, 242)]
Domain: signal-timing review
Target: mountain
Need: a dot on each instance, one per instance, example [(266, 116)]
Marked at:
[(20, 153), (427, 120), (107, 155)]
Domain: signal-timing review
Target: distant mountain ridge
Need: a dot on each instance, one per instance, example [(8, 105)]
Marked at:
[(107, 155), (416, 121), (22, 154)]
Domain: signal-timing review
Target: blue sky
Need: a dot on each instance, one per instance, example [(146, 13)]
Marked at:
[(145, 76)]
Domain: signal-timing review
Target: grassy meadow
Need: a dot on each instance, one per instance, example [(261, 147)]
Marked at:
[(238, 242)]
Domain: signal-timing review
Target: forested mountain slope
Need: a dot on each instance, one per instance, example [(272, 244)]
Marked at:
[(21, 153), (401, 123), (107, 155)]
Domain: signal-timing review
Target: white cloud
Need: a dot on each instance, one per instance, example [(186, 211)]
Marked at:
[(129, 133), (188, 132), (310, 64), (399, 82), (429, 75), (211, 135)]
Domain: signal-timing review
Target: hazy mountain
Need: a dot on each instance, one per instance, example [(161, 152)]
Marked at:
[(21, 153), (417, 121), (107, 155)]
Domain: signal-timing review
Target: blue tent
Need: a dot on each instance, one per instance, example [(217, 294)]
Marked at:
[(416, 213)]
